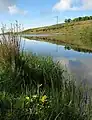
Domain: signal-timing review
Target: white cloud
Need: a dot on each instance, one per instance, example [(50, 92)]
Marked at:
[(10, 6), (15, 10), (64, 5), (5, 3), (87, 5)]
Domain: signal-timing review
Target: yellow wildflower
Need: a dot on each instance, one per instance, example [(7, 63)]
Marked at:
[(27, 98), (43, 99)]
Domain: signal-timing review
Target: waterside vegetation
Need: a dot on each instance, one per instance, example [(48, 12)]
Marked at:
[(36, 88)]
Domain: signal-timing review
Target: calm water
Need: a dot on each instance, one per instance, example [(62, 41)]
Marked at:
[(78, 63)]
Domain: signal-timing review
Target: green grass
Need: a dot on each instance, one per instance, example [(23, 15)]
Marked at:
[(35, 88), (73, 34), (61, 28)]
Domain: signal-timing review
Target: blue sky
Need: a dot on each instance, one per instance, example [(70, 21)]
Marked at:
[(35, 13)]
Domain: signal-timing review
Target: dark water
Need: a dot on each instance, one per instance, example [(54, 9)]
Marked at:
[(79, 63)]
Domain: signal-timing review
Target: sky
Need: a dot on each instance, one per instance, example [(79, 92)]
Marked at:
[(35, 13)]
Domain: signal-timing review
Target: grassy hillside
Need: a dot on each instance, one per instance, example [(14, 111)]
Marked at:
[(78, 34), (61, 28)]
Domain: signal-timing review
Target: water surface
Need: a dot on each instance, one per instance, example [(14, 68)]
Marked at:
[(78, 63)]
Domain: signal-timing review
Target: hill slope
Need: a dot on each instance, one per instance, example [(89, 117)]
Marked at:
[(73, 33), (64, 27)]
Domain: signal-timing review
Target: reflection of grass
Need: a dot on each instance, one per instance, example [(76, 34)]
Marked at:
[(36, 88), (74, 33), (68, 45)]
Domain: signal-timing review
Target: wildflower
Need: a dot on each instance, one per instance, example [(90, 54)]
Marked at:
[(34, 96), (40, 85), (31, 100), (43, 99), (27, 98)]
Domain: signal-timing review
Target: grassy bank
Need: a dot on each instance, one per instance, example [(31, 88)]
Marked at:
[(73, 33), (68, 45), (36, 88)]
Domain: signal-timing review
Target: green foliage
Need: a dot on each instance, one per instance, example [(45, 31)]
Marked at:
[(67, 20), (69, 103), (82, 18), (78, 19)]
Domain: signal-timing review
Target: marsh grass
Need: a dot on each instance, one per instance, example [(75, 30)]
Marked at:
[(36, 88)]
